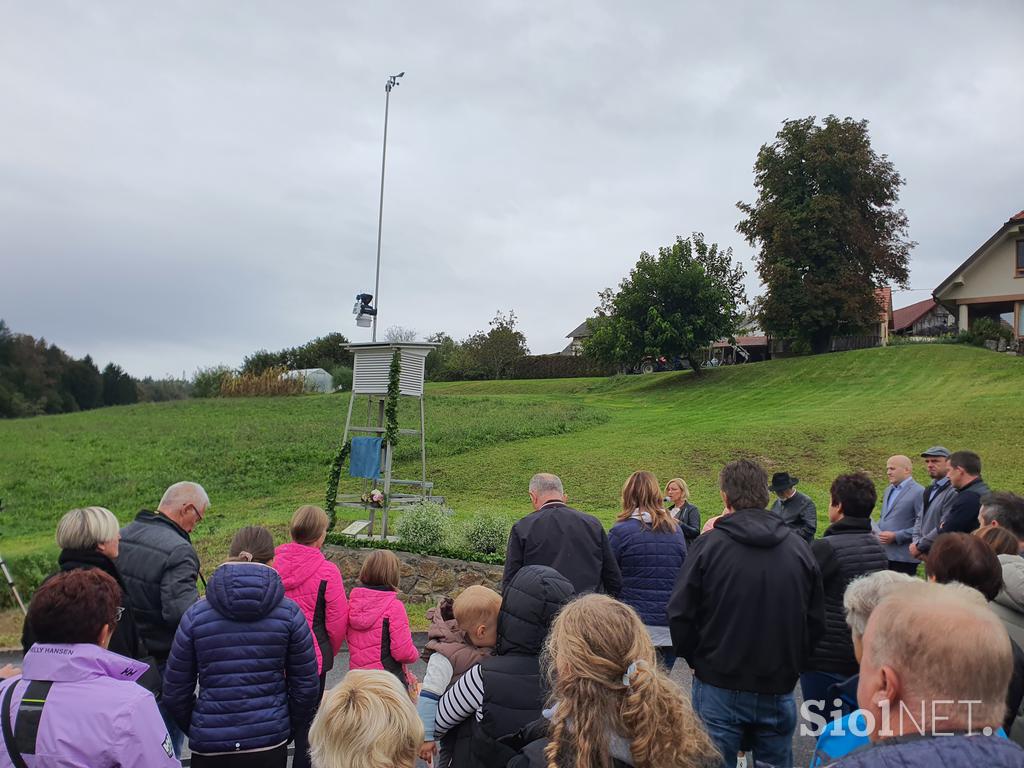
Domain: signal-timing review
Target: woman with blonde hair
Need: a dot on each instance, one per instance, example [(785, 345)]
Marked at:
[(367, 721), (650, 548), (610, 703), (88, 538), (677, 493)]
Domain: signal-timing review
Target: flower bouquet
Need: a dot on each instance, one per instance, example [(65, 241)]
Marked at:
[(374, 498)]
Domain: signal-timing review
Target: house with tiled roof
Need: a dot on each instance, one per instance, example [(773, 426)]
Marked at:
[(923, 318), (990, 283)]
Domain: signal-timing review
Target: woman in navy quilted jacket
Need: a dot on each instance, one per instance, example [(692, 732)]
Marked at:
[(250, 648), (650, 548)]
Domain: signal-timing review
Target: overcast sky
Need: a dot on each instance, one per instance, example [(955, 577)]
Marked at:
[(184, 183)]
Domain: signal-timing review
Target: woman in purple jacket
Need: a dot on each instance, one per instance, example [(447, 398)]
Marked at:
[(650, 549), (77, 704)]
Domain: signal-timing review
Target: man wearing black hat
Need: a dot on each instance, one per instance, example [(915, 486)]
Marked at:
[(795, 508), (938, 497)]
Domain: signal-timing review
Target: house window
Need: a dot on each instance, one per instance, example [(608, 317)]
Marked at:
[(1020, 258)]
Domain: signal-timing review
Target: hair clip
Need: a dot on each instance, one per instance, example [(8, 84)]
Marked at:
[(630, 671), (247, 556)]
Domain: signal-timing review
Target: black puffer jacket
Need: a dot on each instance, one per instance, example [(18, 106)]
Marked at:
[(848, 549), (513, 690), (160, 569), (126, 639)]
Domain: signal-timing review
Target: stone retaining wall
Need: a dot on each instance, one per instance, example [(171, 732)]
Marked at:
[(425, 578)]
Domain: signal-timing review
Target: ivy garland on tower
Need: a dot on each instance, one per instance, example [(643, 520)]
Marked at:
[(333, 480), (391, 408), (390, 438)]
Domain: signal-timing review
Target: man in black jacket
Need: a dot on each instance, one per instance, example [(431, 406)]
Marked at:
[(160, 569), (847, 549), (556, 535), (965, 476), (747, 609)]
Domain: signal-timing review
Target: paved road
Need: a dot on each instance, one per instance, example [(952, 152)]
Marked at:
[(803, 746)]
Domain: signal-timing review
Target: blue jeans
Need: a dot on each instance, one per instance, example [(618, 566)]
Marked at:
[(762, 720), (176, 734)]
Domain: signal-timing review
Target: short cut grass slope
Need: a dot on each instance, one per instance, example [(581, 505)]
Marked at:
[(261, 458)]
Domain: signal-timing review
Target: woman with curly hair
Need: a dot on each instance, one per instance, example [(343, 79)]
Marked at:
[(610, 703)]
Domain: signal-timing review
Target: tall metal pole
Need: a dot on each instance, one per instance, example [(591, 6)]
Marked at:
[(392, 82)]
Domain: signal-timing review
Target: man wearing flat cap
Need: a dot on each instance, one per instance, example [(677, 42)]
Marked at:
[(795, 508), (938, 498)]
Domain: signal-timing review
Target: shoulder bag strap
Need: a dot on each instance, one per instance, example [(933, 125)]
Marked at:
[(5, 716)]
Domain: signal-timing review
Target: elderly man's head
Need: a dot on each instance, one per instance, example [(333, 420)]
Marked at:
[(863, 595), (898, 468), (545, 488), (185, 503), (935, 660)]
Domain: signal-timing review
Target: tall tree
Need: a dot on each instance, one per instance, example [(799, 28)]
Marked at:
[(677, 303), (493, 352), (827, 230), (118, 387)]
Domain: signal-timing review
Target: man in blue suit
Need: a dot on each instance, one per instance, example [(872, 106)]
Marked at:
[(902, 503)]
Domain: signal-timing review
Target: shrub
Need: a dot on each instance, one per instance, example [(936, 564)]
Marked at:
[(985, 329), (207, 382), (342, 375), (487, 534), (426, 526), (28, 572)]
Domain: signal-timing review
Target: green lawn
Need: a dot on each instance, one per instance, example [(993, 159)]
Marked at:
[(260, 458)]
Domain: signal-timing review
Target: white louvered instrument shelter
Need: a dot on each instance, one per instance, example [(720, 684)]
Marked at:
[(371, 364)]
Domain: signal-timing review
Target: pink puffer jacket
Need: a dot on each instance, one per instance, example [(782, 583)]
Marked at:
[(302, 569), (368, 609)]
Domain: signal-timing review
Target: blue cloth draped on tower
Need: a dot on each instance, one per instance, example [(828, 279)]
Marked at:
[(364, 459)]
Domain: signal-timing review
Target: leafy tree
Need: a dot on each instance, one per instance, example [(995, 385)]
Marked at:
[(438, 362), (327, 352), (674, 304), (322, 352), (262, 360), (491, 354), (827, 228)]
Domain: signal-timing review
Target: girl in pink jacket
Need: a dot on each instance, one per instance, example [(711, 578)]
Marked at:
[(378, 626), (316, 585)]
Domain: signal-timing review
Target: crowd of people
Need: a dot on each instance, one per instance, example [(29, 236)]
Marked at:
[(569, 665)]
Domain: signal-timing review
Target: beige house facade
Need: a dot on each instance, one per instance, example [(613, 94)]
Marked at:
[(991, 282)]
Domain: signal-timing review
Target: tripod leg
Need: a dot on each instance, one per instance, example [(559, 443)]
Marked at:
[(10, 583)]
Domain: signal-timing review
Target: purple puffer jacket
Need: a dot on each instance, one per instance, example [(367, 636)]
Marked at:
[(95, 715)]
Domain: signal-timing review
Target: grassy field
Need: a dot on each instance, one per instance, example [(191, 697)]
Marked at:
[(260, 458)]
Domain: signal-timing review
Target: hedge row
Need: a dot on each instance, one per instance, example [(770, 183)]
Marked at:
[(558, 367)]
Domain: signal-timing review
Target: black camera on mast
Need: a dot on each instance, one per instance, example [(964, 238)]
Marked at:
[(363, 310)]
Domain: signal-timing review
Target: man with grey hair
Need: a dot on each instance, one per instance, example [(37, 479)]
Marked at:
[(573, 543), (160, 568), (934, 698)]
